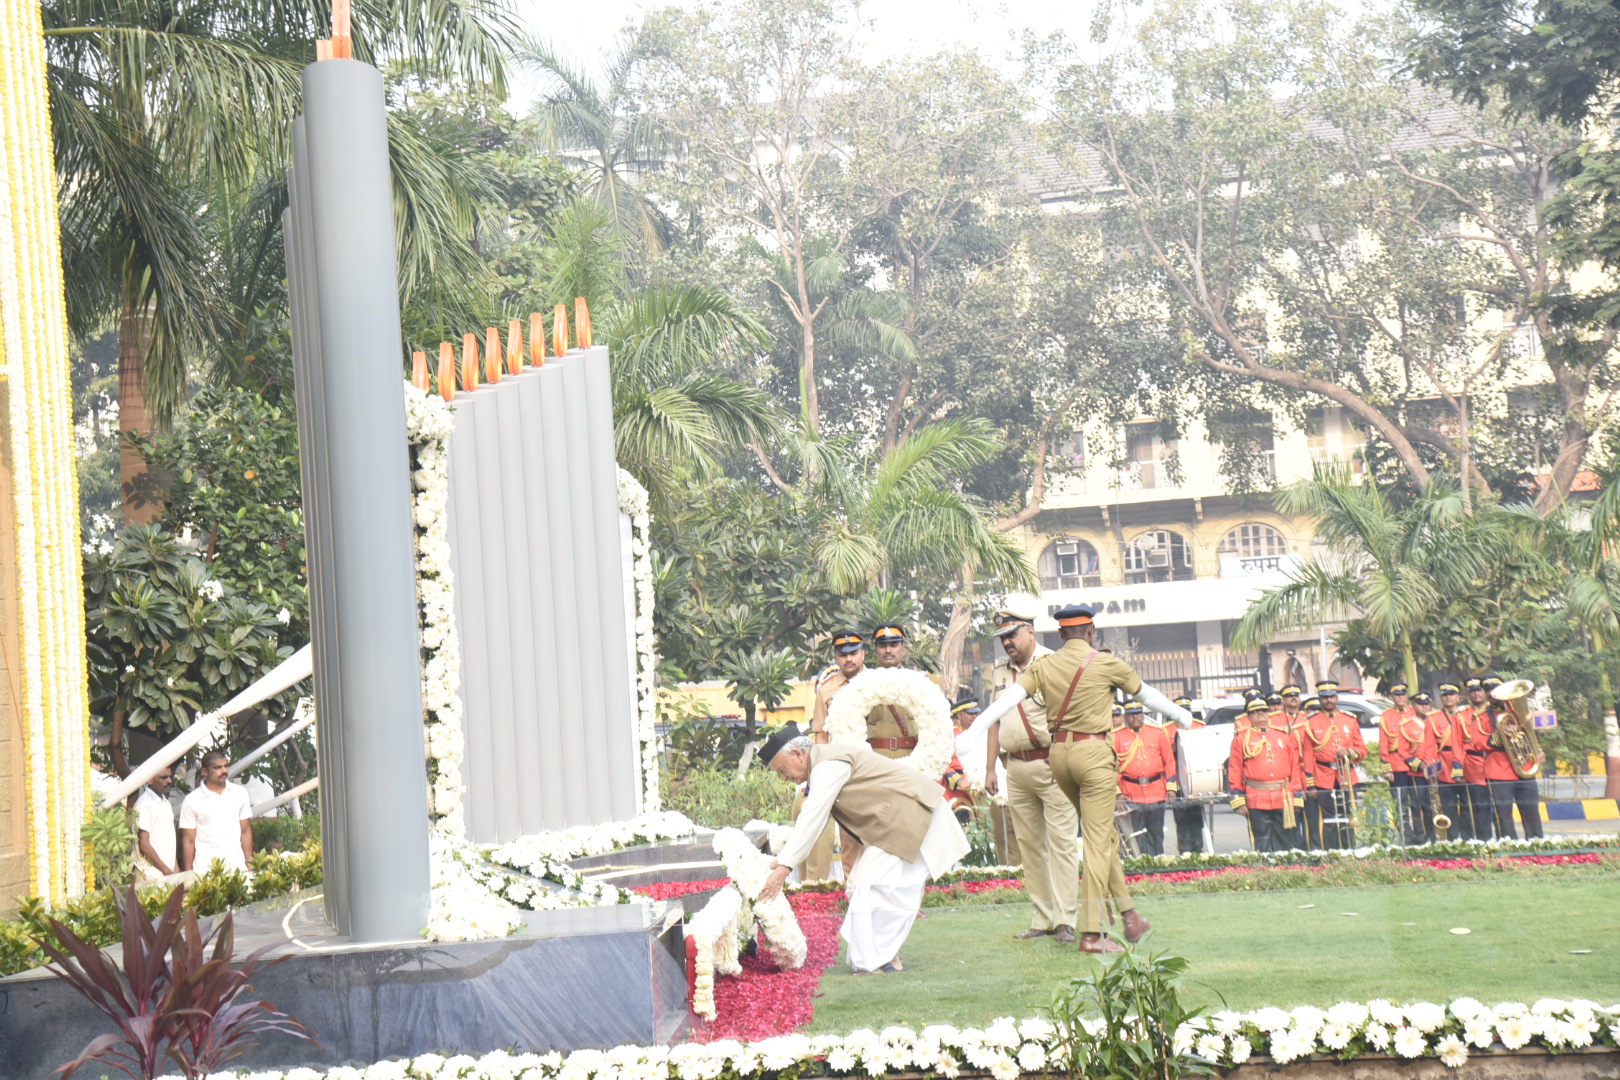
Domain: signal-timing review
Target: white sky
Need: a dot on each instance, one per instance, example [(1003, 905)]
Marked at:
[(897, 27)]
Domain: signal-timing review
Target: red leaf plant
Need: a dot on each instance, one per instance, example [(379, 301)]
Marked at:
[(177, 996)]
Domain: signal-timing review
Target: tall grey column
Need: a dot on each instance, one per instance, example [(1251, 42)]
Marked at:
[(374, 655)]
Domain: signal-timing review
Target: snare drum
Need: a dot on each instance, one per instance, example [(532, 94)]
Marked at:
[(1202, 756)]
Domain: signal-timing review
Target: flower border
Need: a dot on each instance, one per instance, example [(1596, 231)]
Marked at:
[(1008, 1048), (633, 503), (429, 421), (911, 691)]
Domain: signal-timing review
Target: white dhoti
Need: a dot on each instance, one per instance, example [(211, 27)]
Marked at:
[(884, 891)]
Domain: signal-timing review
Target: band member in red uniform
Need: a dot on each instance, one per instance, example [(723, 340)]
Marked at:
[(1147, 775), (1508, 788), (1266, 780), (1331, 742), (1445, 733), (1422, 755), (1473, 742), (1394, 748)]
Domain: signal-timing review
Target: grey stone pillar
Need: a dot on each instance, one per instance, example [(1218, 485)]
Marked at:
[(358, 504)]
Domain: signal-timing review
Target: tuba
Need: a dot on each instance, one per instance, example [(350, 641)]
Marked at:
[(1522, 747)]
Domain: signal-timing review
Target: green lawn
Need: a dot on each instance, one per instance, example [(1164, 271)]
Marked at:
[(1267, 949)]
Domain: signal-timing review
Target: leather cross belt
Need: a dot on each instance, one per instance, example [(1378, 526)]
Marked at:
[(1075, 736), (892, 744), (1042, 754)]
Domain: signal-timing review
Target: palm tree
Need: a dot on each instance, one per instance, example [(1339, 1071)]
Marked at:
[(760, 677), (1394, 566), (161, 108), (593, 129), (904, 509)]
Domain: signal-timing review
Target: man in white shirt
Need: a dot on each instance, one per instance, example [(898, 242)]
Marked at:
[(907, 832), (154, 824), (215, 819)]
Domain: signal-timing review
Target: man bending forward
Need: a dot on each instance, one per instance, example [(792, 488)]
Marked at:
[(908, 835)]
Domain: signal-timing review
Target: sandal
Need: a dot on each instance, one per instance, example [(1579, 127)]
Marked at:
[(893, 965)]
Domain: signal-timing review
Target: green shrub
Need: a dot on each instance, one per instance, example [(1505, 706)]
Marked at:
[(286, 833), (717, 797), (110, 836)]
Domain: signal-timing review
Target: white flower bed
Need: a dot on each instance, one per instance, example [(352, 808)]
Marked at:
[(1009, 1048), (748, 868), (928, 714)]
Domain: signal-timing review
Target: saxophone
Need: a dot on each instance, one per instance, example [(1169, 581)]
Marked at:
[(1517, 738)]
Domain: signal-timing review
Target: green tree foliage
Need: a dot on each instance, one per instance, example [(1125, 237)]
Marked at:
[(230, 481), (167, 638)]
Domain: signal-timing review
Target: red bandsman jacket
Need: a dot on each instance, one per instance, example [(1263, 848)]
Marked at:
[(1321, 737), (1391, 746), (1498, 766), (1261, 759), (1443, 736), (1474, 728), (1147, 763)]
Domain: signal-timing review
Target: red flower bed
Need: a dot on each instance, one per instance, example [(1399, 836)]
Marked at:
[(674, 890), (1518, 860)]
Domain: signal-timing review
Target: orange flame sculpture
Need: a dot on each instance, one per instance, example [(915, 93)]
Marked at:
[(469, 362), (514, 347), (582, 322), (537, 339), (559, 331), (342, 40), (419, 370), (492, 355), (447, 371)]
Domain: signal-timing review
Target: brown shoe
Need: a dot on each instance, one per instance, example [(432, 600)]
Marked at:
[(1065, 934), (1096, 943), (1027, 934), (1135, 925)]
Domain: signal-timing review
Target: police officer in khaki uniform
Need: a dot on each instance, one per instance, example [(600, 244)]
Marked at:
[(1077, 684), (1043, 818), (889, 731), (849, 660)]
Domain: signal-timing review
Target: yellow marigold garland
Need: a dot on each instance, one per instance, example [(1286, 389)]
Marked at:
[(48, 645)]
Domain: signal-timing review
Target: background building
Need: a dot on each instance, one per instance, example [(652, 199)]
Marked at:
[(1149, 532)]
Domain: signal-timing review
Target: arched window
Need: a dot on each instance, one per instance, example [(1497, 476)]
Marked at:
[(1069, 563), (1253, 540), (1158, 555)]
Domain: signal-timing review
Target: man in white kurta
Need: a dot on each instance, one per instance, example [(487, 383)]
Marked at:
[(907, 831)]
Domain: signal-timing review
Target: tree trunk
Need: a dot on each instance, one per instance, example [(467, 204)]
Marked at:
[(140, 504), (952, 646)]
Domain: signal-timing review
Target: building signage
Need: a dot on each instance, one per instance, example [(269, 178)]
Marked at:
[(1233, 566)]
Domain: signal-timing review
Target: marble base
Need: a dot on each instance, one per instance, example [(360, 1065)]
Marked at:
[(582, 977)]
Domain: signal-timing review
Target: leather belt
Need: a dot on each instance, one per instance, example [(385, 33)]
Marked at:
[(1479, 753), (1042, 754), (1075, 736), (1330, 763), (892, 744), (1154, 779)]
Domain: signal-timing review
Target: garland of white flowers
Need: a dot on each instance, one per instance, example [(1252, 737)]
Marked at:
[(429, 421), (633, 502), (914, 694), (715, 936), (748, 868), (1008, 1048)]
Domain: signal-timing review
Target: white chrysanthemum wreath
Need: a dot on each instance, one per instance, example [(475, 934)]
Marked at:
[(927, 714), (748, 868)]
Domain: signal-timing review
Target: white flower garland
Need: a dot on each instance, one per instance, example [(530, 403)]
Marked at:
[(748, 868), (1008, 1048), (716, 935), (429, 421), (927, 712), (633, 502)]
